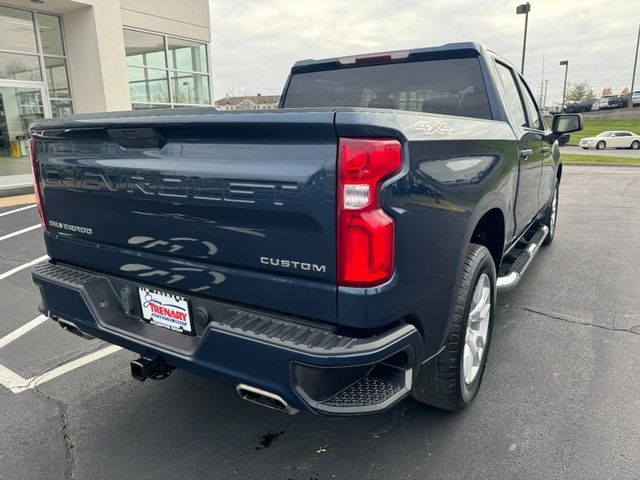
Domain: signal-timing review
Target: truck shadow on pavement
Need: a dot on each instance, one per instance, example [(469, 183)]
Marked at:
[(188, 427)]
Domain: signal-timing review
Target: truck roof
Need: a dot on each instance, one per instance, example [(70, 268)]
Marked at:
[(448, 50)]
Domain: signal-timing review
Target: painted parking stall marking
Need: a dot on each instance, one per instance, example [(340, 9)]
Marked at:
[(18, 384), (23, 266), (17, 210), (19, 232), (18, 332)]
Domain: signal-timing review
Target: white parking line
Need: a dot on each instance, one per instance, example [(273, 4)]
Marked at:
[(22, 267), (17, 210), (10, 379), (17, 384), (18, 332), (24, 230)]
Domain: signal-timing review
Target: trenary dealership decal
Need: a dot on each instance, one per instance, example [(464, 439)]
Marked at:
[(165, 310)]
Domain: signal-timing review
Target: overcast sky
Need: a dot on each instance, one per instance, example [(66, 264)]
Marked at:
[(255, 42)]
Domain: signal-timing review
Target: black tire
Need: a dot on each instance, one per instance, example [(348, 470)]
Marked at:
[(440, 382), (549, 219), (635, 145), (601, 145)]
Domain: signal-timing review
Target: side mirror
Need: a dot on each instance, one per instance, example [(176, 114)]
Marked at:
[(566, 123)]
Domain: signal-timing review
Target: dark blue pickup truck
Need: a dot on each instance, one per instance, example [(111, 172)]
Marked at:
[(334, 255)]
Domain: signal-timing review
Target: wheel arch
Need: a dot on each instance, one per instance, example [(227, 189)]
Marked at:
[(489, 231), (491, 223)]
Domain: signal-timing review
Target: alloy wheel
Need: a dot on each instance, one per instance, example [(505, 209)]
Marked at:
[(477, 329)]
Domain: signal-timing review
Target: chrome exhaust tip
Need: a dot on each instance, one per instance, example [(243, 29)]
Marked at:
[(264, 399), (71, 327)]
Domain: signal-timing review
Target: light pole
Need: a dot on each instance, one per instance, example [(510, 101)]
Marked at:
[(524, 9), (564, 89), (544, 99), (635, 64)]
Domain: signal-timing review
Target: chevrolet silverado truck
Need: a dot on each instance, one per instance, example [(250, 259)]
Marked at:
[(334, 255)]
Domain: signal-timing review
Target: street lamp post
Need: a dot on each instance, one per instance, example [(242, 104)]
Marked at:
[(635, 64), (564, 89), (544, 99), (524, 9)]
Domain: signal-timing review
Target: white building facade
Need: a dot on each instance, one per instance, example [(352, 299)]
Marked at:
[(59, 57)]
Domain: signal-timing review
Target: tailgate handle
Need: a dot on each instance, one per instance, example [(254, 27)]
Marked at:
[(142, 137)]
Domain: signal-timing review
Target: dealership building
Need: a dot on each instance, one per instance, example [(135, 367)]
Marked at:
[(59, 57)]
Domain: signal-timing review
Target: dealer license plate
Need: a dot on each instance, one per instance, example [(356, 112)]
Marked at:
[(165, 310)]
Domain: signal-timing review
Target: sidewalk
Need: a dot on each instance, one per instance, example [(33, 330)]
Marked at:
[(15, 176), (11, 185)]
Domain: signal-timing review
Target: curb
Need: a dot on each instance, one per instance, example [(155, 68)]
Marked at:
[(14, 190), (600, 164)]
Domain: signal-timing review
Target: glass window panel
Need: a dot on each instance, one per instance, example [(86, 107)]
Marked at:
[(19, 107), (19, 67), (16, 30), (148, 85), (50, 34), (450, 86), (535, 119), (513, 97), (56, 72), (61, 108), (186, 55), (144, 49), (190, 88)]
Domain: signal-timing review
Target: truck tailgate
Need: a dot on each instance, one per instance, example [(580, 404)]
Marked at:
[(239, 207)]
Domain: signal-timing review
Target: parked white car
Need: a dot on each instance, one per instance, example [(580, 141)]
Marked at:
[(600, 104), (613, 139)]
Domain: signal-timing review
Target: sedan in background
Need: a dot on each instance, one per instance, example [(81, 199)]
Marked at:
[(620, 139)]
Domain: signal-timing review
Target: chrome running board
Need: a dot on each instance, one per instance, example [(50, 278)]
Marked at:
[(516, 271)]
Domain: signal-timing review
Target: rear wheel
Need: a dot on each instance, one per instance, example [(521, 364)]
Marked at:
[(635, 145), (451, 380), (552, 215), (600, 145)]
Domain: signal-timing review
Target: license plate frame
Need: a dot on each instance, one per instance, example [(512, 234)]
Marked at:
[(166, 310)]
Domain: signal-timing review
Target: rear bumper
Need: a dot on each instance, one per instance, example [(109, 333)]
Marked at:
[(310, 367)]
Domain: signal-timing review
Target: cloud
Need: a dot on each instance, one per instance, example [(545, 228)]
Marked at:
[(256, 42)]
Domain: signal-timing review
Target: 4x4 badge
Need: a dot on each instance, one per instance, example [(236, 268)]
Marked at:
[(440, 128)]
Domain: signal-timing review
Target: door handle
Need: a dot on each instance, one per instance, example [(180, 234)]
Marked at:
[(527, 152), (545, 149)]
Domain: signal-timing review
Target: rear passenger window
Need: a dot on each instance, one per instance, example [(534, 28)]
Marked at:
[(513, 96)]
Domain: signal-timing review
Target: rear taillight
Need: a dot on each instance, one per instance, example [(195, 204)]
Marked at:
[(37, 184), (366, 234)]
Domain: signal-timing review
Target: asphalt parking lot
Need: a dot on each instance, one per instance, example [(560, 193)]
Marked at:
[(560, 399)]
